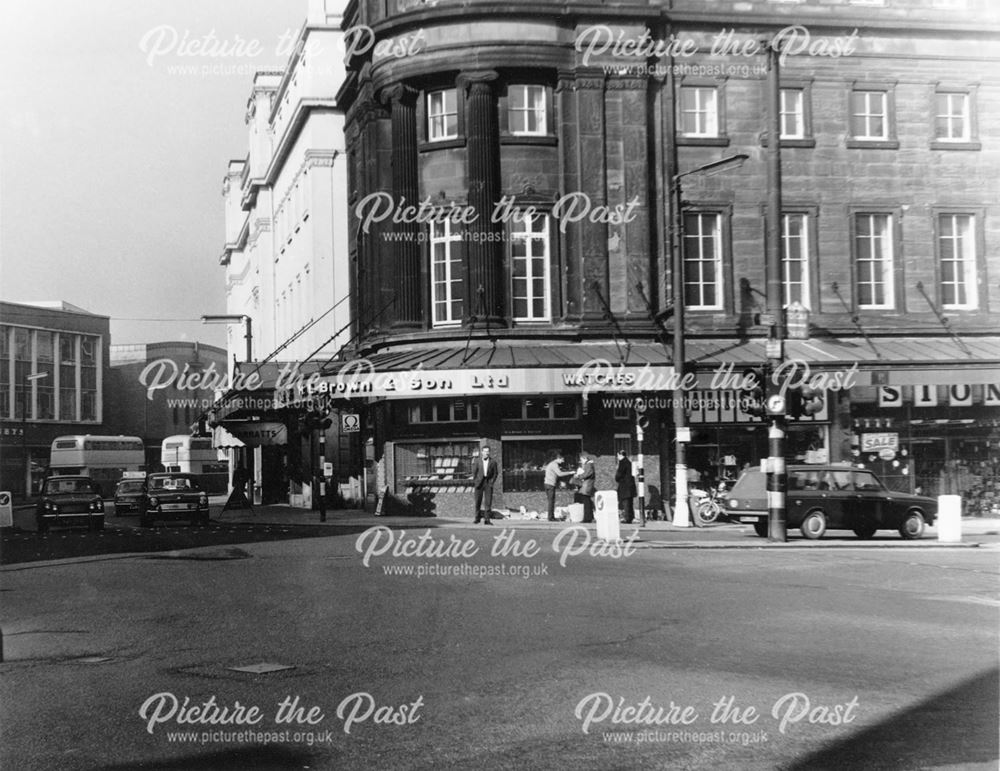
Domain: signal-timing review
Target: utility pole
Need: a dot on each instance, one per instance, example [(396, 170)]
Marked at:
[(777, 479)]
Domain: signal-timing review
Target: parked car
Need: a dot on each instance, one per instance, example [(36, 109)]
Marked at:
[(173, 496), (128, 495), (69, 500), (822, 498)]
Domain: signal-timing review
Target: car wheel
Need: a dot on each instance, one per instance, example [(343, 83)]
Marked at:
[(814, 525), (98, 524), (145, 521), (760, 528), (865, 530), (913, 525), (41, 525)]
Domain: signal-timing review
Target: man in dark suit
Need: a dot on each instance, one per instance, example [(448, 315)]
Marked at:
[(626, 487), (484, 473)]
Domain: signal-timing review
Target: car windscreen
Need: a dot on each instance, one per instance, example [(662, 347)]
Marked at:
[(751, 484), (130, 487), (173, 483), (65, 486)]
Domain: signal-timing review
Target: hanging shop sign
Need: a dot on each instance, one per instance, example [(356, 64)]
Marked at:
[(879, 442), (258, 433)]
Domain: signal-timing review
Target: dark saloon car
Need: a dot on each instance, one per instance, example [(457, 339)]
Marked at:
[(822, 498), (128, 496), (69, 500), (173, 496)]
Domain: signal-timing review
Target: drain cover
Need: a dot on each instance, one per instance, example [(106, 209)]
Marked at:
[(262, 668)]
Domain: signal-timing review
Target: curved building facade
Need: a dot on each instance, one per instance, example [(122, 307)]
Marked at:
[(520, 175)]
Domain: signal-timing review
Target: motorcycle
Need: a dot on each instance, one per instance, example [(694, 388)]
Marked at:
[(710, 506)]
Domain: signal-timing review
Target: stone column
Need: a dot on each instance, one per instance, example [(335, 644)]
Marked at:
[(405, 250), (486, 287)]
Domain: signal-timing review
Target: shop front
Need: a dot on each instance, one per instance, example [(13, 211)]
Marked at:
[(936, 439), (429, 412)]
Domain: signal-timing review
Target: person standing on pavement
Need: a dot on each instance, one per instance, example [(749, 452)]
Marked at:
[(484, 475), (553, 473), (587, 478), (626, 487)]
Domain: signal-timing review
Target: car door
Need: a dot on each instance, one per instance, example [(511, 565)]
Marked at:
[(870, 499), (837, 493)]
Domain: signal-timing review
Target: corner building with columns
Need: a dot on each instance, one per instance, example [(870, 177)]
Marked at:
[(512, 225)]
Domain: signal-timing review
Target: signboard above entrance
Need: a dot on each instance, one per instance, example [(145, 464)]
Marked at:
[(256, 433)]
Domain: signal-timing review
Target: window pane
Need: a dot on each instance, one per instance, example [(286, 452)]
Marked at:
[(529, 250), (699, 111), (874, 260), (956, 250), (702, 261)]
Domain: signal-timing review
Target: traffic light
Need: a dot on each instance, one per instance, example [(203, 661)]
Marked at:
[(313, 421), (812, 400), (755, 391), (804, 401)]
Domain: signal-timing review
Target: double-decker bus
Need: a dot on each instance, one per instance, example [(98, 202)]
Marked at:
[(195, 455), (104, 459)]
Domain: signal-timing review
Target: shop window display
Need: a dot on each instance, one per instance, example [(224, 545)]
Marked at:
[(524, 461)]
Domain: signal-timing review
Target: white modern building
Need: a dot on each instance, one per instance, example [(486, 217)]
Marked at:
[(286, 252)]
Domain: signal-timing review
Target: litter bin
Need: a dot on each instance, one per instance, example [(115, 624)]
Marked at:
[(606, 515)]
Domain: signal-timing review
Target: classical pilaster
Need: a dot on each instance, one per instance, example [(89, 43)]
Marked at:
[(485, 251), (405, 249), (377, 306), (593, 236)]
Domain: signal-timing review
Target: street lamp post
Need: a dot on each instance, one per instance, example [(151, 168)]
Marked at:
[(682, 516), (29, 381), (235, 318), (777, 482)]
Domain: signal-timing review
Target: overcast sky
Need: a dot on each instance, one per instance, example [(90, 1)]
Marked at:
[(111, 160)]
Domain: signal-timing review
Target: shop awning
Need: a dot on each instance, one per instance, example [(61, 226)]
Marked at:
[(879, 360), (223, 440), (259, 390), (524, 368)]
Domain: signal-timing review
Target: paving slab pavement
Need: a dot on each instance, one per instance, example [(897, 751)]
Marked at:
[(655, 533)]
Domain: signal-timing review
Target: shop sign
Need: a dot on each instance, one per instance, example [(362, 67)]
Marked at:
[(880, 442), (350, 423), (926, 395), (258, 433), (420, 383)]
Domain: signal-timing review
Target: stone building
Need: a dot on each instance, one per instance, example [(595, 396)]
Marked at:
[(511, 171), (162, 389)]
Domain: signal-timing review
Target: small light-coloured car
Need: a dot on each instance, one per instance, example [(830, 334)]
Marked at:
[(821, 498)]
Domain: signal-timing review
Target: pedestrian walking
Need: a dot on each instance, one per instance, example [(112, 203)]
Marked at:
[(553, 473), (484, 475), (626, 487)]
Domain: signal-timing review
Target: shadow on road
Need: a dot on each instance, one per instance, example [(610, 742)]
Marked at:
[(18, 547), (956, 728), (262, 757)]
